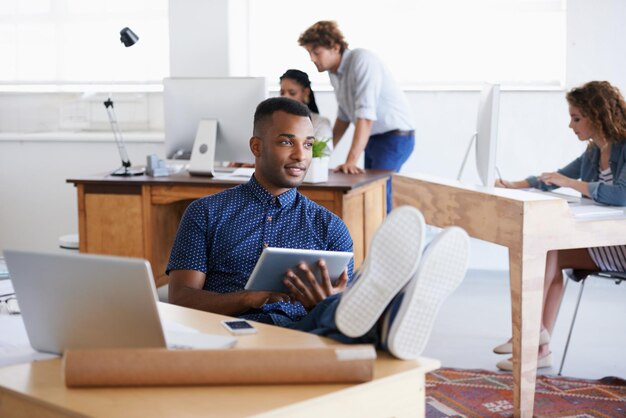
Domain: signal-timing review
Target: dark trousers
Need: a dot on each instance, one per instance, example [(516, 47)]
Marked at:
[(389, 151)]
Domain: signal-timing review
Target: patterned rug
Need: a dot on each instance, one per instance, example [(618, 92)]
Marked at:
[(481, 393)]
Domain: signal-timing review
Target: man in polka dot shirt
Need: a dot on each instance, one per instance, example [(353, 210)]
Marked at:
[(221, 237)]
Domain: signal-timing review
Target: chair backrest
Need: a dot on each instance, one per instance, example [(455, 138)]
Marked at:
[(579, 275)]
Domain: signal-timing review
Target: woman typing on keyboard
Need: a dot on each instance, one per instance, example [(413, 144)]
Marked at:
[(598, 116)]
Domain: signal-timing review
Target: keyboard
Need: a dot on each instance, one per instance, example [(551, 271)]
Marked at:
[(234, 173), (225, 170)]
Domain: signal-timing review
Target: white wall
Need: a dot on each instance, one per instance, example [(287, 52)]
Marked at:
[(208, 38), (596, 47), (37, 205), (198, 38)]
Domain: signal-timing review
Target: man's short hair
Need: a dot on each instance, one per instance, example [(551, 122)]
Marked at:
[(324, 33), (268, 107)]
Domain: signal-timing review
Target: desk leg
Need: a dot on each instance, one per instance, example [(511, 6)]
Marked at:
[(527, 277), (164, 220), (147, 220), (82, 219)]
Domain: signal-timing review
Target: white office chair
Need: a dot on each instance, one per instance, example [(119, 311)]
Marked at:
[(581, 276)]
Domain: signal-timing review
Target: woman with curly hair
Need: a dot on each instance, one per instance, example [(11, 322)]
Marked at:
[(598, 116)]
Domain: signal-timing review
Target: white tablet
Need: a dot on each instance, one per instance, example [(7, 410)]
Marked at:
[(270, 270)]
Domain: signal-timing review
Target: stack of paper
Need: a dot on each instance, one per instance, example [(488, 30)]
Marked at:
[(595, 211)]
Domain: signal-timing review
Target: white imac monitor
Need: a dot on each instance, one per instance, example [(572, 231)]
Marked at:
[(229, 101), (486, 135)]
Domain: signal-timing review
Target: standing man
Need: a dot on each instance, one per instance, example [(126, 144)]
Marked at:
[(367, 96)]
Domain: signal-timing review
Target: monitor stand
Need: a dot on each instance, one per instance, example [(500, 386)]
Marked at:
[(469, 148), (202, 162)]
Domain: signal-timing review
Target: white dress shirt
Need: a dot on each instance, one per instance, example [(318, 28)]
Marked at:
[(365, 89)]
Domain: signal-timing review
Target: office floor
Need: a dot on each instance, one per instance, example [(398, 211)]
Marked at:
[(476, 318)]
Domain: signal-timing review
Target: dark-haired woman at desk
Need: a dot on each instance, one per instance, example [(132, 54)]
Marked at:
[(598, 116), (295, 84)]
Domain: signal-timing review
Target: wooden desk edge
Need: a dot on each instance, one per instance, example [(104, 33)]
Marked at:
[(335, 180), (52, 399), (514, 195), (341, 399)]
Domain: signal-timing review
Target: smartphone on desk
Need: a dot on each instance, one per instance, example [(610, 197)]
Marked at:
[(238, 326)]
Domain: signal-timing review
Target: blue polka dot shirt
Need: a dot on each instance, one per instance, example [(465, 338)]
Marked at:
[(223, 235)]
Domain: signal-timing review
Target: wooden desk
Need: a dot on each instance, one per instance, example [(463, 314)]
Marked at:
[(529, 225), (37, 389), (138, 216)]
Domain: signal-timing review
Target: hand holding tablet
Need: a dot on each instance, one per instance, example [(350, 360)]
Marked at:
[(270, 269)]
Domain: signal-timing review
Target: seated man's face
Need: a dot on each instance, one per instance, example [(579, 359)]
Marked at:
[(283, 152)]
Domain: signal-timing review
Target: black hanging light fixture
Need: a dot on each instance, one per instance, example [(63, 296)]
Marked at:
[(128, 37)]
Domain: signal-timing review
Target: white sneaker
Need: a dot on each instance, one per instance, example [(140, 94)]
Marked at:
[(542, 363), (393, 257), (507, 347), (411, 315)]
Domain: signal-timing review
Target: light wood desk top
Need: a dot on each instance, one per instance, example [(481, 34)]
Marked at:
[(528, 224), (37, 389), (335, 180)]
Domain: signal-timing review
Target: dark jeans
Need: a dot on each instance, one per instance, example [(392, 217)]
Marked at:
[(321, 321), (388, 151)]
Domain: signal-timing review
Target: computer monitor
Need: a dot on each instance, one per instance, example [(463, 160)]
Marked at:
[(486, 135), (231, 101)]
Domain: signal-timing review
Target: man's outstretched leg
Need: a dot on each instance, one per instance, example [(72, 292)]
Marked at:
[(392, 260), (409, 319), (393, 257)]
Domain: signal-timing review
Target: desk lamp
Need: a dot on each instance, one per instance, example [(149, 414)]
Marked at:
[(128, 38)]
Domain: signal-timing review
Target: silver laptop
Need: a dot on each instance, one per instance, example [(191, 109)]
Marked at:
[(85, 301)]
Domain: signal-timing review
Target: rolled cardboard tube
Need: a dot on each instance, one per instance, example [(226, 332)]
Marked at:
[(162, 367)]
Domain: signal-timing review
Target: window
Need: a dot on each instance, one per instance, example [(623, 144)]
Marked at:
[(77, 41), (424, 42)]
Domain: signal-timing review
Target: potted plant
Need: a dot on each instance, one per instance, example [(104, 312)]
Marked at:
[(318, 170)]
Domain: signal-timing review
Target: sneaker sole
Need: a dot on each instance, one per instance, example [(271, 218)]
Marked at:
[(441, 271), (390, 264)]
